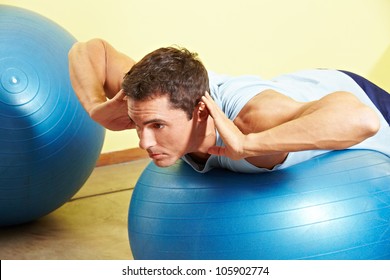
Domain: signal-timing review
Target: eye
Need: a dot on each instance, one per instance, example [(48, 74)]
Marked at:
[(158, 126)]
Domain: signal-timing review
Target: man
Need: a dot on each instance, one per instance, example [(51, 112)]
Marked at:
[(244, 123)]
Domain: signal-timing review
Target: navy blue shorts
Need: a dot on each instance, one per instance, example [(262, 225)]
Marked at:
[(378, 96)]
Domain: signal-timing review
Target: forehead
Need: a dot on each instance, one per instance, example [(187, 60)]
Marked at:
[(158, 107)]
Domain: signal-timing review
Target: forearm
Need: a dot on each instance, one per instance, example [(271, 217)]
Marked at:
[(291, 138)]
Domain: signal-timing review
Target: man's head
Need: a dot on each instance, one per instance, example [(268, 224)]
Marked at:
[(175, 72), (164, 91)]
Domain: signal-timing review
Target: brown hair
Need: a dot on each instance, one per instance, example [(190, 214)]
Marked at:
[(175, 72)]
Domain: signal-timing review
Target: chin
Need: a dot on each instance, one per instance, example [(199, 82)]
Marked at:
[(164, 163)]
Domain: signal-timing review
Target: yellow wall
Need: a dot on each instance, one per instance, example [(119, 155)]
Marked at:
[(265, 37), (380, 74)]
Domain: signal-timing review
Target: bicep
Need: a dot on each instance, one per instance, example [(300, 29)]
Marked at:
[(87, 67), (117, 65), (267, 110), (95, 66)]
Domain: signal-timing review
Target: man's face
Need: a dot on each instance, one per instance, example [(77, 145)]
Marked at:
[(164, 132)]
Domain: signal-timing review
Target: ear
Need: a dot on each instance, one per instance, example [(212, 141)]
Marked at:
[(201, 113)]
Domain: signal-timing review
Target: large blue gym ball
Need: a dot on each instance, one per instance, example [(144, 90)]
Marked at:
[(335, 206), (48, 143)]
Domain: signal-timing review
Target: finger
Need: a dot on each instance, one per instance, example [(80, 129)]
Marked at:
[(130, 125), (217, 150), (208, 100), (213, 108), (120, 96)]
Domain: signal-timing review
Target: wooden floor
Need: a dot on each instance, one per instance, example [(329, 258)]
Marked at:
[(92, 226)]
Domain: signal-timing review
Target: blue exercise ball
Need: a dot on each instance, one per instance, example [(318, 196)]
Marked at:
[(335, 206), (48, 143)]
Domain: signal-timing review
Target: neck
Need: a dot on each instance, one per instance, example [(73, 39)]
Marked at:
[(205, 137)]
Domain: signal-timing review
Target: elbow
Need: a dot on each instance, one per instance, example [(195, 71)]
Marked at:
[(83, 48), (74, 50), (369, 122), (74, 54)]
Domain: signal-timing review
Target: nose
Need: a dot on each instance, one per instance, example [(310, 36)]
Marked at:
[(147, 139)]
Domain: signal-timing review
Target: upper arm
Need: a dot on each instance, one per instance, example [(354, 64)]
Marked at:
[(267, 110), (117, 65), (97, 69)]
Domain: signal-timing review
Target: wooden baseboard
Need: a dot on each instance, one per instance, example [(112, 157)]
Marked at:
[(121, 156)]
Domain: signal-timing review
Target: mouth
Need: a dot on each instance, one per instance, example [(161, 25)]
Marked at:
[(162, 159), (156, 155)]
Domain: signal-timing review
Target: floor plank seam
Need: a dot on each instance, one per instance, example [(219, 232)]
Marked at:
[(100, 194)]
